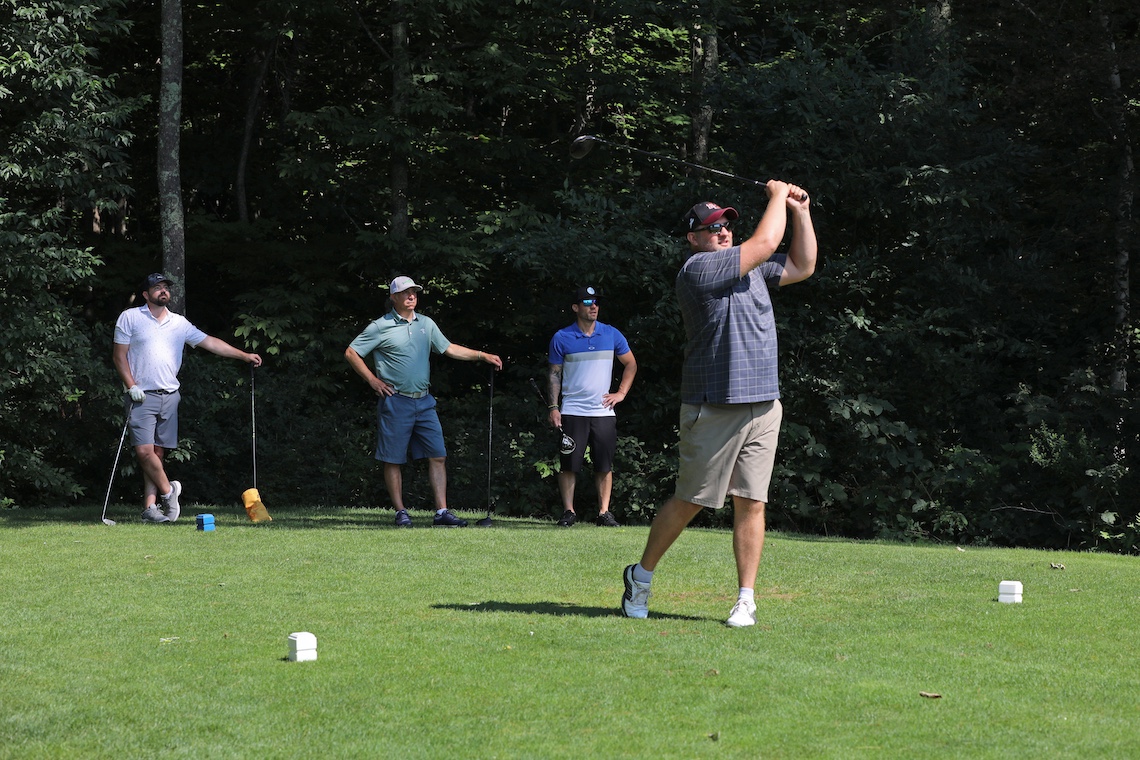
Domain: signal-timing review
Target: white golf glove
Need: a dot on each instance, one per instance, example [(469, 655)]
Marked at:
[(137, 393)]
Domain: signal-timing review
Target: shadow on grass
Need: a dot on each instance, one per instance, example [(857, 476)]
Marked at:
[(558, 609), (292, 518)]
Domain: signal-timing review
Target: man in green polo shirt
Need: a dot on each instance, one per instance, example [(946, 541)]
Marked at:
[(401, 343)]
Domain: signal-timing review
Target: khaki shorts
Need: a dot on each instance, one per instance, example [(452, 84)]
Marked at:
[(727, 449)]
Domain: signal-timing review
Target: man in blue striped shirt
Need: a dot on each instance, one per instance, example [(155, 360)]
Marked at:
[(581, 370), (730, 396)]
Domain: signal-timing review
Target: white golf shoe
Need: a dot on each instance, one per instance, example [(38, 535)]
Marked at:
[(635, 600), (743, 615)]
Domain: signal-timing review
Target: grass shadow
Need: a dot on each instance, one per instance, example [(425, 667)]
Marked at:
[(291, 518), (557, 609)]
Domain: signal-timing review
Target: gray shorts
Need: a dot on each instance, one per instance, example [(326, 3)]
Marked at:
[(727, 449), (154, 420)]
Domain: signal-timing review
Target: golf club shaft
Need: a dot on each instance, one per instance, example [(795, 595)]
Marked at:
[(590, 138), (115, 467), (253, 424), (490, 431), (541, 395)]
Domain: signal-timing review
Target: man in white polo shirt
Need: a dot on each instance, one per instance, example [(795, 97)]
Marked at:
[(581, 370), (147, 356)]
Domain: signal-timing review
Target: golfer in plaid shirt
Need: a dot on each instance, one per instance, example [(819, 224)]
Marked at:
[(730, 395)]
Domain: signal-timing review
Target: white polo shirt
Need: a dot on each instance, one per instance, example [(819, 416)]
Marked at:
[(154, 350)]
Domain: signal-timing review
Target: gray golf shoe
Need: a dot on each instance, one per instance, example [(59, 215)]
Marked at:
[(152, 515), (170, 503)]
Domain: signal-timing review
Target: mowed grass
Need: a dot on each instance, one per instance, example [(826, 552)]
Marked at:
[(155, 641)]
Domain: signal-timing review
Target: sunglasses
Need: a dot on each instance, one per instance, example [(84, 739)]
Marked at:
[(716, 227), (589, 302)]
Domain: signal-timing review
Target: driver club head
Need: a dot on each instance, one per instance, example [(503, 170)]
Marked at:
[(581, 146), (484, 523), (568, 445)]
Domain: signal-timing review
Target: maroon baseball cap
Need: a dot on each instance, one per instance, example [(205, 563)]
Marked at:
[(707, 213)]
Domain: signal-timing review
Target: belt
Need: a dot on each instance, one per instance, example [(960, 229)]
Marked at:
[(417, 394), (161, 392)]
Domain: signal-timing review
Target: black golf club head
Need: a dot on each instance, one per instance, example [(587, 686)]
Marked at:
[(484, 523), (566, 445), (581, 146)]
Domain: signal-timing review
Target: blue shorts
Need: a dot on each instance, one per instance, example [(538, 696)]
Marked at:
[(408, 426), (154, 420)]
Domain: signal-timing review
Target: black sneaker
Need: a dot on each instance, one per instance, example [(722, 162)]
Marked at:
[(448, 520), (606, 519), (402, 519), (568, 518)]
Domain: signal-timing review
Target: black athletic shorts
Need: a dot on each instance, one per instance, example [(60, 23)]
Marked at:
[(599, 433)]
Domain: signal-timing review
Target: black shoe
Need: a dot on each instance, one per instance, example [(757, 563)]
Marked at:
[(448, 520), (606, 519), (402, 519), (568, 518)]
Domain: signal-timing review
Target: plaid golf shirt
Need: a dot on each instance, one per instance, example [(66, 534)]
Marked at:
[(730, 329)]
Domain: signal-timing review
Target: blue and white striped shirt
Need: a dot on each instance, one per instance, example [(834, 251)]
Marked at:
[(588, 367)]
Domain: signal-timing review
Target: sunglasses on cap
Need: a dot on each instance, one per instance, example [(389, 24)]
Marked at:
[(715, 227), (589, 302)]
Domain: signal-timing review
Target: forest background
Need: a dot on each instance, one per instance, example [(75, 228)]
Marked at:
[(957, 369)]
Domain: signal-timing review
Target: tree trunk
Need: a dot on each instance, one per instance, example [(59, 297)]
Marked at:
[(253, 107), (171, 216), (1122, 214), (705, 59), (938, 15), (401, 84)]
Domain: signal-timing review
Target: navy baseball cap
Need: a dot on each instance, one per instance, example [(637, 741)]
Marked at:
[(154, 279)]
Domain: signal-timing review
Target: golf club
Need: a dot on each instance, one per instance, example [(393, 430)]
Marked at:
[(107, 498), (486, 521), (566, 445), (251, 497), (581, 146)]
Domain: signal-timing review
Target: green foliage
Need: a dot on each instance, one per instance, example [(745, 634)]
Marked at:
[(62, 161), (946, 373)]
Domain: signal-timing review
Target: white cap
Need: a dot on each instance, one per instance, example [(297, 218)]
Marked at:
[(402, 283)]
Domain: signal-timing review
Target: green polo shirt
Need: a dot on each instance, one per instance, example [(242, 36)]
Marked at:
[(400, 349)]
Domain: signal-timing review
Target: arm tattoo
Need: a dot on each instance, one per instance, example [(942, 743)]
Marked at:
[(555, 383)]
